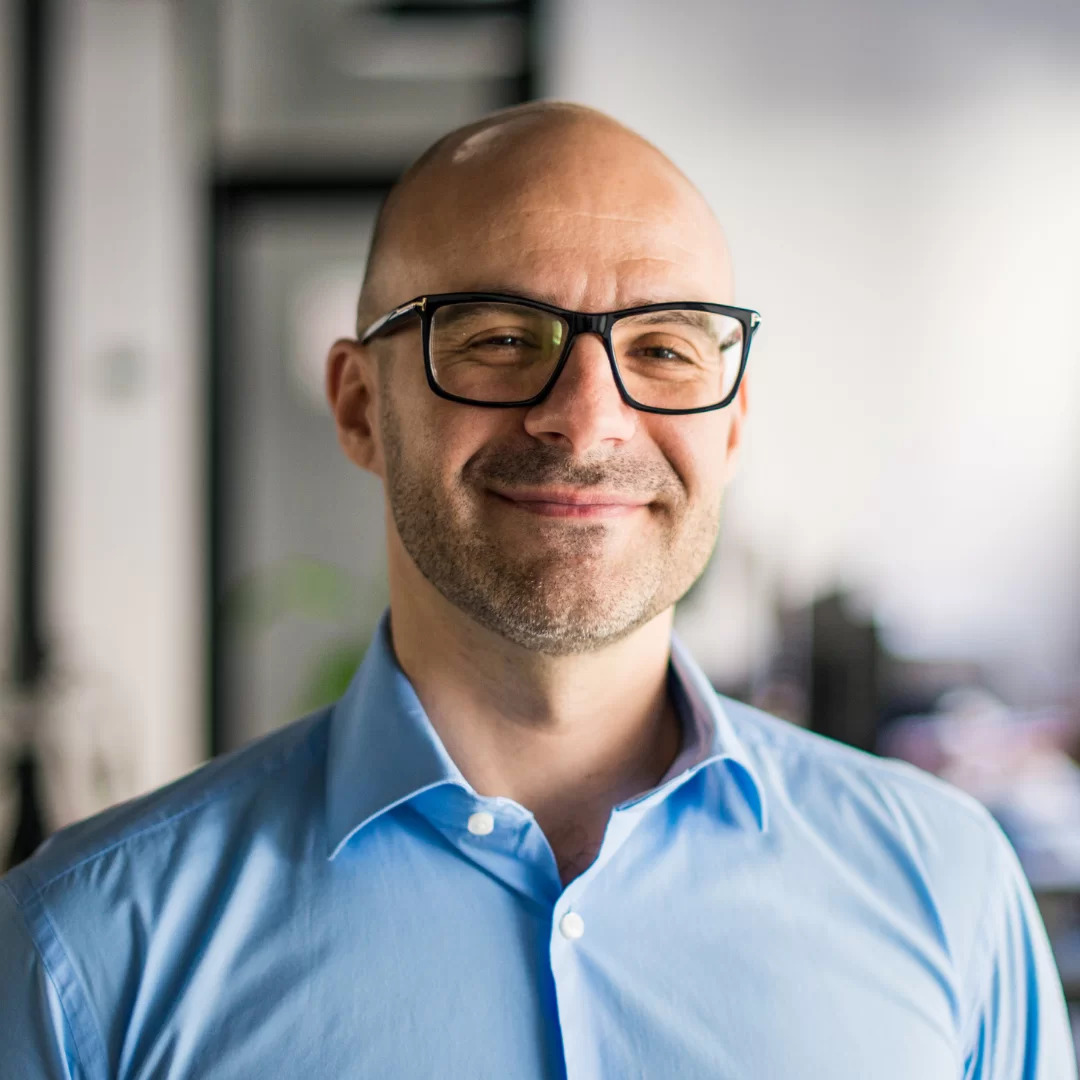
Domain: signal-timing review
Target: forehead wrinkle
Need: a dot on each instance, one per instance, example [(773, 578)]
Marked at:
[(626, 255), (654, 223), (672, 230), (593, 215)]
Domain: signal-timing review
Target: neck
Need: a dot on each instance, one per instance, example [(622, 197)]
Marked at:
[(561, 735)]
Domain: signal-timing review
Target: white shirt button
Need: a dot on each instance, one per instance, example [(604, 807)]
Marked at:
[(572, 925), (481, 823)]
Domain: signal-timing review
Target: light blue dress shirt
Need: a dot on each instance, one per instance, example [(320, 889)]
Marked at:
[(335, 901)]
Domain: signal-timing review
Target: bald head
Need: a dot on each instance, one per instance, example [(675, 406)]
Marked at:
[(526, 184)]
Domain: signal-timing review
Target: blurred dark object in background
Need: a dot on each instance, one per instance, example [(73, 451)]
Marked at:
[(845, 673), (30, 826), (66, 751), (29, 659)]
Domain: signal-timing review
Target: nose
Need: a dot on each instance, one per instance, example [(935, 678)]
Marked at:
[(584, 410)]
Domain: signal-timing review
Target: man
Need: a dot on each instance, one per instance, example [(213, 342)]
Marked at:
[(531, 841)]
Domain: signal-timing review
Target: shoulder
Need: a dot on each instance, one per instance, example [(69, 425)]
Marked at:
[(217, 797), (806, 766), (914, 838), (134, 889), (935, 864)]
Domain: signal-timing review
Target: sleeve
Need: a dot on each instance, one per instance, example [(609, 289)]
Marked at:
[(35, 1039), (1017, 1021)]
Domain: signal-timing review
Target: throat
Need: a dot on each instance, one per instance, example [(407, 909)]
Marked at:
[(575, 827), (575, 844)]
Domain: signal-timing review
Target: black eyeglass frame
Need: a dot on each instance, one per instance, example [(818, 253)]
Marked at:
[(579, 322)]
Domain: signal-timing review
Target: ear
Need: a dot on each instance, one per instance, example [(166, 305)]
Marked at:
[(352, 393), (737, 412)]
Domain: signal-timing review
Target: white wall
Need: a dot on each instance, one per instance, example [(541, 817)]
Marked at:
[(899, 183), (126, 498)]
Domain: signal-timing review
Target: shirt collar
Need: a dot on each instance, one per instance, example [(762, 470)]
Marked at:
[(709, 735), (383, 749)]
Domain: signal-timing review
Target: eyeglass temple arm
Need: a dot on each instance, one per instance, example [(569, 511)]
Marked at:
[(391, 319)]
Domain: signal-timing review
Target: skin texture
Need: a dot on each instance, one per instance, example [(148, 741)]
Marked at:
[(537, 635)]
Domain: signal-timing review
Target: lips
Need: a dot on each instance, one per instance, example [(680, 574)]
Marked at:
[(580, 503)]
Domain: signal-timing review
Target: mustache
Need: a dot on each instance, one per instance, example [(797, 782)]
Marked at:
[(543, 465)]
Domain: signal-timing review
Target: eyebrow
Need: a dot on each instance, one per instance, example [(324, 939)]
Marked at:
[(453, 313), (548, 298), (645, 301), (700, 320)]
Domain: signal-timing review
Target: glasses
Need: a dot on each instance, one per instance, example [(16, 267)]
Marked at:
[(504, 351)]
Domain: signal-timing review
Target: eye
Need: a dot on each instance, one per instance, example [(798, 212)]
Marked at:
[(664, 352), (663, 349), (504, 339), (500, 337)]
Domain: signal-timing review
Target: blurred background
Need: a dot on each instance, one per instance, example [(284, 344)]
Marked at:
[(186, 197)]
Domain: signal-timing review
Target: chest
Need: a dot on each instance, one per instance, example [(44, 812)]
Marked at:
[(578, 1012), (427, 967)]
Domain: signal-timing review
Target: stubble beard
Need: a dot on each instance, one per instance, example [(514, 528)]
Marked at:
[(565, 594)]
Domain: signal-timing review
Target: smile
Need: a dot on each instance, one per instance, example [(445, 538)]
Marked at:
[(572, 503)]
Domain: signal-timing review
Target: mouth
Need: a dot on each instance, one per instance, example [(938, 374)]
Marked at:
[(573, 503)]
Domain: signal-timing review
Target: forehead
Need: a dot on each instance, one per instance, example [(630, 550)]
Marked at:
[(588, 224)]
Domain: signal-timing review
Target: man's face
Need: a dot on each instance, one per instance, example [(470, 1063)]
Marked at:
[(478, 496)]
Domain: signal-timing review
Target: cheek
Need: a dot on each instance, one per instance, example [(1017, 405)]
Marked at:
[(436, 437), (696, 448), (447, 435)]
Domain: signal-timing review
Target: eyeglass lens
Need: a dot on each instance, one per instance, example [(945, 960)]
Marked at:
[(498, 352)]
